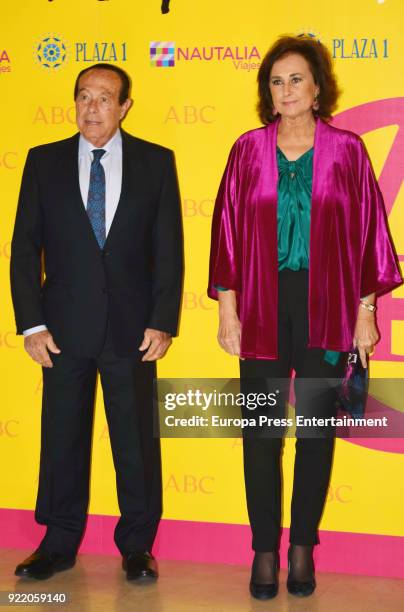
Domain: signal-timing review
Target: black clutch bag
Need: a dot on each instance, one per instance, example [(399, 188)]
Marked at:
[(353, 390)]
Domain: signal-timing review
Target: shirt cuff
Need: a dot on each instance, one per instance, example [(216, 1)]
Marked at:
[(34, 330), (219, 288)]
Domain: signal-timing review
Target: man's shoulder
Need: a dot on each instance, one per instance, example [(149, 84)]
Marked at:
[(145, 146), (53, 148)]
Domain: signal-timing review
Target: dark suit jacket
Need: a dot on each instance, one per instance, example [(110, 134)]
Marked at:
[(134, 281)]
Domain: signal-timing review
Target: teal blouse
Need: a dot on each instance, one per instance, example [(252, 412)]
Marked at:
[(294, 207), (294, 204)]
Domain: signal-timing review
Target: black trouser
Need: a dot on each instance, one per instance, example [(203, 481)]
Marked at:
[(262, 453), (67, 422)]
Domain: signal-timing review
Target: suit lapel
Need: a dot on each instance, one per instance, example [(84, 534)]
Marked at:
[(132, 179), (69, 171), (68, 181)]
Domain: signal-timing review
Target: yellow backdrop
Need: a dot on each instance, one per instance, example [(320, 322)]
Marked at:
[(198, 107)]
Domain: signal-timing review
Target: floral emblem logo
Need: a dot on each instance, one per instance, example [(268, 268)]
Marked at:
[(51, 52), (310, 32)]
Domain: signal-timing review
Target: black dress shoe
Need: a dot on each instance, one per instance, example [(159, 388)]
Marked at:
[(265, 590), (42, 565), (301, 588), (141, 566)]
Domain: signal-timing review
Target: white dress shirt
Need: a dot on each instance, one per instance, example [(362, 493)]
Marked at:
[(112, 164)]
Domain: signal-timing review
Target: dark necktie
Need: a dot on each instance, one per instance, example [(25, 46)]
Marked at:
[(96, 197)]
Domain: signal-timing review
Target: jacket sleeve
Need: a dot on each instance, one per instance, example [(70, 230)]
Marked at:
[(26, 251), (380, 272), (224, 268), (167, 254)]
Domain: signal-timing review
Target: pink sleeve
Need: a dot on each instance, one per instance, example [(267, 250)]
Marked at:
[(224, 268), (380, 272)]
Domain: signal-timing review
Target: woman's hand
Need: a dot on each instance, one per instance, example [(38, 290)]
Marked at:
[(366, 334), (229, 324)]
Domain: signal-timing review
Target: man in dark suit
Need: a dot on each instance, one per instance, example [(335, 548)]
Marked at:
[(101, 210)]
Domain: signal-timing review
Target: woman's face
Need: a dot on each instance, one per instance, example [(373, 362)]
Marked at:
[(292, 86)]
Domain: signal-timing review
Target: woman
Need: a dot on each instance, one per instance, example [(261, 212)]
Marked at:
[(300, 250)]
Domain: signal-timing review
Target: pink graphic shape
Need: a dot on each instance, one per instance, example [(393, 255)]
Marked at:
[(361, 120), (344, 552)]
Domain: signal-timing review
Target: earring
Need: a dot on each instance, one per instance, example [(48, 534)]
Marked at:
[(316, 104)]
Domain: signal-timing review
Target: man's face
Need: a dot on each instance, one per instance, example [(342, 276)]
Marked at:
[(98, 111)]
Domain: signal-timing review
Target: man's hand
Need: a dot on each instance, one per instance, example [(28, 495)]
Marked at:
[(37, 346), (157, 343)]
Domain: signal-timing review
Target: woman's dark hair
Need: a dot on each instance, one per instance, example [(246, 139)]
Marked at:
[(319, 59), (125, 80)]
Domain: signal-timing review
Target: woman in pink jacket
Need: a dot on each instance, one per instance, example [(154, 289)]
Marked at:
[(300, 250)]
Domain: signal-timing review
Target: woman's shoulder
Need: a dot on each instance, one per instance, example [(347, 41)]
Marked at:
[(255, 133), (251, 139), (343, 136)]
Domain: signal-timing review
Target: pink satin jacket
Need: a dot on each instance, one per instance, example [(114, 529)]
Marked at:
[(351, 253)]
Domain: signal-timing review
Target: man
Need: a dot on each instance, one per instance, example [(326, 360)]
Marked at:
[(102, 209)]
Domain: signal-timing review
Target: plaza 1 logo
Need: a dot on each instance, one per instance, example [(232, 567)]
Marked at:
[(52, 52), (168, 54), (360, 48), (353, 48), (5, 63)]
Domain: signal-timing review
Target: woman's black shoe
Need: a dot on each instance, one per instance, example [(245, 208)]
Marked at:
[(258, 587), (300, 562)]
